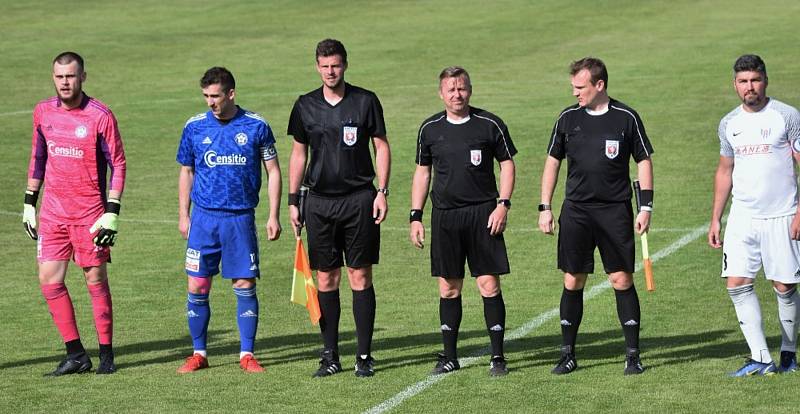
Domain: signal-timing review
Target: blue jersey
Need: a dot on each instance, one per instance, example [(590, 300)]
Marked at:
[(226, 157)]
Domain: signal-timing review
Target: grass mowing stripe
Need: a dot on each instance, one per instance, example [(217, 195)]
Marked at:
[(529, 326)]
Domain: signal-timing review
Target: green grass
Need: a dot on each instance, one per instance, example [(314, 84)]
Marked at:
[(671, 61)]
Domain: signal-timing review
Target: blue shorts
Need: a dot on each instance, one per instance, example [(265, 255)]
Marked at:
[(222, 235)]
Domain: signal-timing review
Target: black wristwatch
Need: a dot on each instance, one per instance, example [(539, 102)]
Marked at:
[(543, 207), (505, 202), (385, 191)]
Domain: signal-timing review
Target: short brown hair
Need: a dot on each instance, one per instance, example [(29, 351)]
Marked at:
[(65, 58), (331, 47), (455, 72), (218, 75), (595, 66)]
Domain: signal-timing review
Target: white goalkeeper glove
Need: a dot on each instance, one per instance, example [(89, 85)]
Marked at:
[(29, 213), (107, 224)]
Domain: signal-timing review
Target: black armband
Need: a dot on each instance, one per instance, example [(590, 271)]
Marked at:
[(31, 197), (294, 199), (646, 200), (113, 206), (416, 215)]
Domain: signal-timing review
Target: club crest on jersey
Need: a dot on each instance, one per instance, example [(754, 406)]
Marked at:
[(612, 148), (350, 135), (475, 157), (241, 138), (80, 131)]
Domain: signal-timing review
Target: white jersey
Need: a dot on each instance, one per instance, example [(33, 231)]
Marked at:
[(762, 146)]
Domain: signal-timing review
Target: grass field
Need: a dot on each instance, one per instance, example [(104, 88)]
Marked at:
[(669, 60)]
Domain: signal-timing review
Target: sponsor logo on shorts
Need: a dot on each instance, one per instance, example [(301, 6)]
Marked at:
[(612, 148), (69, 152), (212, 159), (241, 138), (475, 157), (350, 135), (80, 131), (192, 260), (797, 274)]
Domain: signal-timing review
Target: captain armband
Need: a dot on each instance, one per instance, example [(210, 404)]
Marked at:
[(268, 152)]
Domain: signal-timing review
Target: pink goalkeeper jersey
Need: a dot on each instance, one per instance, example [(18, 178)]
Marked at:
[(71, 151)]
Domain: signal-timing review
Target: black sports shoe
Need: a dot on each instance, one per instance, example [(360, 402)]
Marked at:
[(72, 364), (567, 363), (365, 366), (328, 364), (497, 366), (445, 365), (106, 364), (633, 365)]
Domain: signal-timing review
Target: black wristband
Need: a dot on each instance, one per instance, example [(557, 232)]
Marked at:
[(31, 197), (113, 206), (646, 200), (294, 199), (416, 215)]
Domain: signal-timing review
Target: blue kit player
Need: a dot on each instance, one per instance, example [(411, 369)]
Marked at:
[(221, 152)]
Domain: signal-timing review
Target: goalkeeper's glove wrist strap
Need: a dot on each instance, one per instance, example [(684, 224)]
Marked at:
[(31, 197), (113, 206)]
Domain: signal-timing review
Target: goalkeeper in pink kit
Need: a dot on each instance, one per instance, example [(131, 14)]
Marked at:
[(75, 142)]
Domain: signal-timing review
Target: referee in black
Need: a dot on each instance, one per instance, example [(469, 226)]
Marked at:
[(338, 122), (469, 215), (597, 136)]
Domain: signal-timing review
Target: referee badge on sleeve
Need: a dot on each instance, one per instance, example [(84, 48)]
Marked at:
[(350, 135), (475, 157), (612, 149)]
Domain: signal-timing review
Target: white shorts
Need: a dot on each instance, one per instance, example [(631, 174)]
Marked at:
[(750, 242)]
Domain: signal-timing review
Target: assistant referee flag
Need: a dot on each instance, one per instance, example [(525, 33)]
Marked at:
[(304, 292)]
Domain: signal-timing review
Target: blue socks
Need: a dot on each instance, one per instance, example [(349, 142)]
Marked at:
[(198, 312), (247, 311)]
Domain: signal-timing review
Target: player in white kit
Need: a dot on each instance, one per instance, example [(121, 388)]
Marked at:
[(759, 147)]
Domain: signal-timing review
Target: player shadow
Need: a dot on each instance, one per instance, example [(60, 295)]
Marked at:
[(597, 348), (428, 343)]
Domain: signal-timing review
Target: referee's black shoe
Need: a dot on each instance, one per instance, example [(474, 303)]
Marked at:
[(328, 364), (445, 365), (72, 364), (567, 363), (365, 366), (106, 364), (633, 364), (497, 366)]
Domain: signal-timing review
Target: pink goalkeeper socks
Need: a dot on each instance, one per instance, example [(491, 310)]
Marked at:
[(60, 306)]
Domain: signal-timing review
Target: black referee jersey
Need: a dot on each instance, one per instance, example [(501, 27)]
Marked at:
[(598, 149), (462, 157), (339, 139)]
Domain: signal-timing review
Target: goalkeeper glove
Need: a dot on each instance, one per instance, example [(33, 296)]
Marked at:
[(29, 213), (107, 224)]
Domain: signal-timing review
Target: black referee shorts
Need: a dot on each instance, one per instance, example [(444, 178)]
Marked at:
[(607, 226), (459, 235), (337, 225)]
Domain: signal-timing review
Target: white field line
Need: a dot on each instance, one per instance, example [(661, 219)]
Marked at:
[(525, 329)]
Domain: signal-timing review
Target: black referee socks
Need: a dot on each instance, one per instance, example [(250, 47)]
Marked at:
[(571, 311), (494, 311), (450, 318), (330, 308), (364, 315), (629, 315)]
